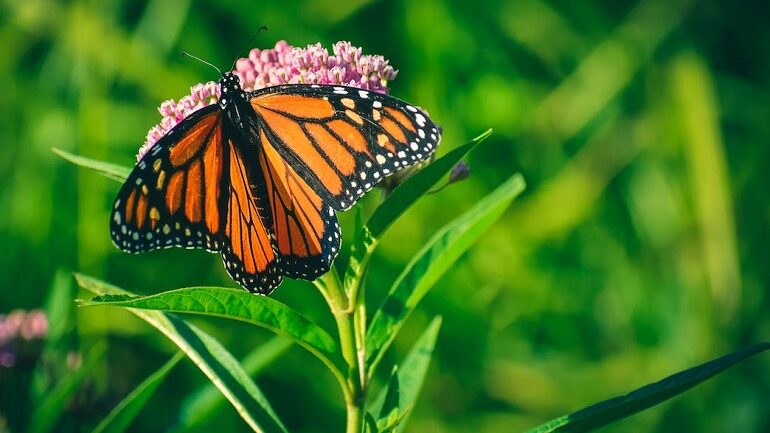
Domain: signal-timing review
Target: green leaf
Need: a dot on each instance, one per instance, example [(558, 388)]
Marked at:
[(204, 402), (240, 305), (415, 365), (370, 425), (214, 361), (119, 418), (416, 186), (431, 263), (53, 405), (603, 413), (110, 170), (411, 375), (391, 403), (395, 204)]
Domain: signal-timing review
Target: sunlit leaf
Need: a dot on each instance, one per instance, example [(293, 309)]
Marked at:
[(395, 204), (110, 170), (119, 418), (431, 263), (237, 305), (222, 369), (643, 398)]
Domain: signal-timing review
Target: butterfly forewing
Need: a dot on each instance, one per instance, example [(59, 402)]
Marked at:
[(172, 197), (343, 140)]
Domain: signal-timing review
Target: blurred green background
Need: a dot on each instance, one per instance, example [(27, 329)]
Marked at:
[(639, 249)]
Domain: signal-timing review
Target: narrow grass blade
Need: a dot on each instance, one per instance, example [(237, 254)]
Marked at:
[(611, 410), (50, 410), (222, 369), (431, 263), (206, 401), (110, 170), (119, 418), (395, 204), (237, 305), (59, 340)]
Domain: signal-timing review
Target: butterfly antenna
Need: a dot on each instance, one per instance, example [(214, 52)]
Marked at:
[(185, 53), (240, 53)]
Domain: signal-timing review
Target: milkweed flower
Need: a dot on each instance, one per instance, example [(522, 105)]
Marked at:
[(17, 330), (346, 65)]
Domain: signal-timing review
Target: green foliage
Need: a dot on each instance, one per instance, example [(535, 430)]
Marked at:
[(639, 247), (211, 358), (431, 263), (118, 420), (52, 407)]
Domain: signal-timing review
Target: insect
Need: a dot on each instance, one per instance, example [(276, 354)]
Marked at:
[(259, 176)]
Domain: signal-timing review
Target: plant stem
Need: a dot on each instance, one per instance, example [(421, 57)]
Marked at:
[(351, 334)]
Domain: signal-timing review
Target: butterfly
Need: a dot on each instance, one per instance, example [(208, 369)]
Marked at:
[(259, 176)]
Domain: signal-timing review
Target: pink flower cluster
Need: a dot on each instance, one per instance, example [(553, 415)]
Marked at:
[(19, 326), (284, 64), (174, 112)]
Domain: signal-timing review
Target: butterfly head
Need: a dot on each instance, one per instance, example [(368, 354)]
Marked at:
[(230, 87)]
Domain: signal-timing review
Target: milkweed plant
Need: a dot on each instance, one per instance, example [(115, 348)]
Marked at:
[(355, 353)]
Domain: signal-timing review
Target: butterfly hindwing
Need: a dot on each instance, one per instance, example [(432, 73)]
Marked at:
[(343, 140), (248, 250), (172, 196), (305, 228)]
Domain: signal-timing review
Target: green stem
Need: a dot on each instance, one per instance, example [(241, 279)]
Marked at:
[(351, 334)]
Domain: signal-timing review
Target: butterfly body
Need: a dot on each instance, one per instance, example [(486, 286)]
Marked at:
[(260, 175)]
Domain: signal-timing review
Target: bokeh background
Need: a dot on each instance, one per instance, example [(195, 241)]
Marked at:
[(638, 250)]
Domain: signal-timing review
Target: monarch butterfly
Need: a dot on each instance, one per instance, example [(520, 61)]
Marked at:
[(259, 176)]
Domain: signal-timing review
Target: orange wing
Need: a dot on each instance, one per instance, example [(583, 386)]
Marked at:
[(342, 141), (248, 250), (172, 196), (307, 235)]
